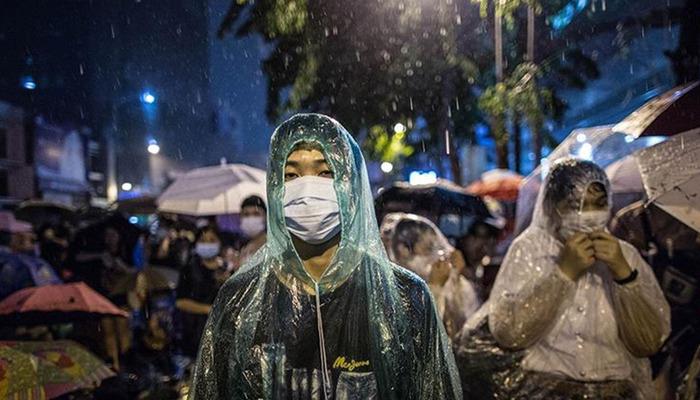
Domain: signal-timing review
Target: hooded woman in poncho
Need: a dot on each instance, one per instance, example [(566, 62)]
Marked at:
[(583, 304), (356, 326)]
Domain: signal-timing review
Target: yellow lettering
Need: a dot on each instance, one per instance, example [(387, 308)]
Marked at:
[(341, 362)]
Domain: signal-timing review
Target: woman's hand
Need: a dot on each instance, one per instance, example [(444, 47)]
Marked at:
[(440, 271), (578, 255), (607, 249)]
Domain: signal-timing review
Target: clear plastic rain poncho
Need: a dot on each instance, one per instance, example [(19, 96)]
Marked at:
[(373, 331), (588, 337), (456, 299)]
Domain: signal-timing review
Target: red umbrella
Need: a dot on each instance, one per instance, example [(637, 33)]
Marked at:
[(671, 113), (52, 304), (500, 184)]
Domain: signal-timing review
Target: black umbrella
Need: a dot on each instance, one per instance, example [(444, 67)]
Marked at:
[(39, 212), (137, 205), (430, 201)]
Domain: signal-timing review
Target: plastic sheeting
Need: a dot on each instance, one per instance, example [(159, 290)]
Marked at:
[(456, 299), (377, 334), (591, 330)]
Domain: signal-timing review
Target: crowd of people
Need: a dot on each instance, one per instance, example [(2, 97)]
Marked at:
[(317, 300)]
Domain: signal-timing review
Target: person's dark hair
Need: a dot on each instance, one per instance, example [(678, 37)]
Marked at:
[(254, 201), (565, 179), (408, 232), (477, 225), (207, 229)]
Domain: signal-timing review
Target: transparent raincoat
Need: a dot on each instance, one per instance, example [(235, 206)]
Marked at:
[(590, 337), (372, 332), (457, 299)]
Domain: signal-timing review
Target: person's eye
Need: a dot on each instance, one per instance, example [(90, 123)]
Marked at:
[(326, 174), (290, 176)]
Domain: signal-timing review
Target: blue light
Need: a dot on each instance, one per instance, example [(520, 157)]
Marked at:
[(28, 83), (148, 98), (134, 220), (629, 138)]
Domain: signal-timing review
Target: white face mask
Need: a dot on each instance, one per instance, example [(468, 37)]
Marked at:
[(585, 221), (311, 209), (252, 226), (207, 250)]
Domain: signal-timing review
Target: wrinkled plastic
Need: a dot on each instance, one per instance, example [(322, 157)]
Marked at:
[(380, 336), (590, 330), (457, 299)]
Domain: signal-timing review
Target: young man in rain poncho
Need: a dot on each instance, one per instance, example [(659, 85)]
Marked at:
[(320, 312), (584, 304), (414, 242)]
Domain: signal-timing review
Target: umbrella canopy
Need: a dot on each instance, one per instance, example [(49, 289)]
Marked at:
[(137, 205), (72, 361), (430, 201), (213, 190), (19, 375), (55, 304), (626, 183), (502, 185), (671, 175), (671, 113), (39, 212)]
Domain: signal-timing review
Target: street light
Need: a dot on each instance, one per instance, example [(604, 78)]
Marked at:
[(153, 147), (126, 186), (148, 98), (399, 128), (387, 167)]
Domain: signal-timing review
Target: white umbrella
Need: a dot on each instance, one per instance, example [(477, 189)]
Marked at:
[(213, 190), (671, 175)]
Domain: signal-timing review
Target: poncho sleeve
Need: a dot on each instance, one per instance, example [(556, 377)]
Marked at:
[(642, 312), (528, 293)]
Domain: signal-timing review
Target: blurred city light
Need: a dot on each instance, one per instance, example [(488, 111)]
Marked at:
[(422, 177), (153, 147), (581, 138), (148, 98), (28, 83), (387, 167), (126, 186), (586, 151), (629, 138), (399, 128), (134, 220)]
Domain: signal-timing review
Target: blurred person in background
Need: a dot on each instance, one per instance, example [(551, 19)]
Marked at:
[(253, 226), (584, 305), (415, 243), (20, 265), (198, 286)]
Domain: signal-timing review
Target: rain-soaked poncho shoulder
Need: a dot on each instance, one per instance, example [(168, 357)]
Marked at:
[(589, 330), (377, 334), (457, 299)]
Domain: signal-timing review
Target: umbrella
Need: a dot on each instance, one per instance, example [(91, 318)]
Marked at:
[(671, 175), (213, 190), (41, 212), (671, 113), (53, 304), (502, 185), (430, 201), (137, 205), (626, 183), (82, 368), (19, 375)]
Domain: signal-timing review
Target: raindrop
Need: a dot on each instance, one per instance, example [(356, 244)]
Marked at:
[(438, 78), (443, 32), (357, 55), (82, 70), (457, 103), (409, 72), (643, 31), (419, 63), (326, 32), (631, 69), (604, 5), (404, 49), (593, 6), (111, 27), (335, 30), (410, 103), (394, 106), (447, 142), (459, 19), (449, 111)]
